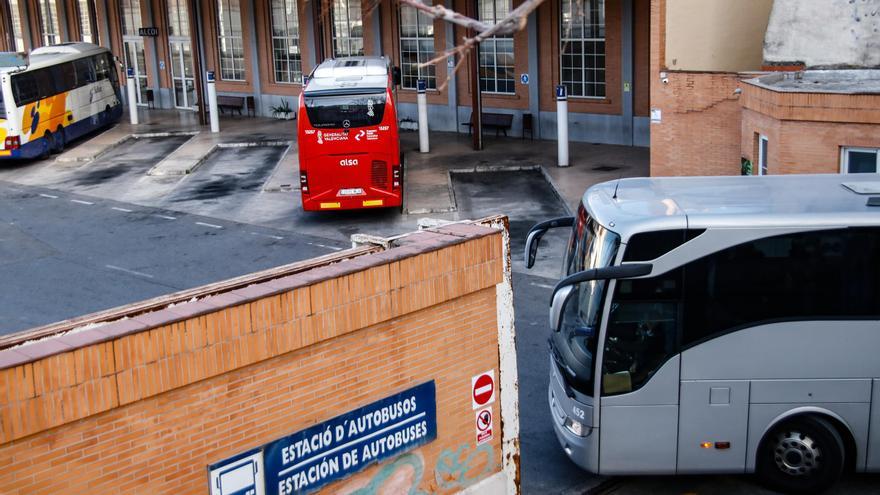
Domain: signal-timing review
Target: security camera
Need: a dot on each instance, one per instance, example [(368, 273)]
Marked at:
[(665, 80)]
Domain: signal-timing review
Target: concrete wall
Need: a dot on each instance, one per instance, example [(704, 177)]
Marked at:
[(145, 404), (824, 33), (715, 35)]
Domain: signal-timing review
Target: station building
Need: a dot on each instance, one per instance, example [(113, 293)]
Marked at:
[(260, 50)]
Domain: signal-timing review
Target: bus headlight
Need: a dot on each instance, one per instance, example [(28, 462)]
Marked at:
[(576, 428)]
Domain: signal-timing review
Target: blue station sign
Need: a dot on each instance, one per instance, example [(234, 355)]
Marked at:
[(326, 452)]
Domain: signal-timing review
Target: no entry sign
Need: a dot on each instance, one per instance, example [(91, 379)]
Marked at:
[(483, 389)]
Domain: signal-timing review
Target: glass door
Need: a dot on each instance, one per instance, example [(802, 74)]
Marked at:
[(182, 74), (134, 59)]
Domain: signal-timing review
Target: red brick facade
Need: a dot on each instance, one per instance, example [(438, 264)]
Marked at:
[(146, 404)]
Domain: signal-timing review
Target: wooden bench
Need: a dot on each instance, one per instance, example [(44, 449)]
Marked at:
[(235, 103), (499, 121)]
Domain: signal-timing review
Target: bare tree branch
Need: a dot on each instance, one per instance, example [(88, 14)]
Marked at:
[(513, 22)]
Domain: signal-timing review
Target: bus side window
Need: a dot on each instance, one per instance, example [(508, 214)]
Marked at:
[(642, 331), (102, 67), (45, 86), (24, 88), (85, 73), (64, 77)]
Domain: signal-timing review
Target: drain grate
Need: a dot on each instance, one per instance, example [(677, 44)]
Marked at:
[(606, 168)]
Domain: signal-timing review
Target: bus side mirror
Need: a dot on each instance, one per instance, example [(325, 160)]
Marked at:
[(537, 232), (557, 306), (395, 76), (564, 289)]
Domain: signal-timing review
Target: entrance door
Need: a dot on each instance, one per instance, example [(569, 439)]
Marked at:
[(182, 74), (134, 59)]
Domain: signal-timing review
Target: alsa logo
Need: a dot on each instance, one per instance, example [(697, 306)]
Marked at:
[(348, 162)]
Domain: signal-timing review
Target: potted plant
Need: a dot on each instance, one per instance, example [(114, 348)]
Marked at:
[(283, 111)]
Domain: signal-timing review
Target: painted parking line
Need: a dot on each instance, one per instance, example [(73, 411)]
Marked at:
[(126, 210), (48, 196), (543, 286), (131, 272), (325, 246), (276, 237), (81, 202), (166, 217), (209, 225)]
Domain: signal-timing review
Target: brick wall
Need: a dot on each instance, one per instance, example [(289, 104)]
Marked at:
[(699, 133), (700, 129), (145, 404), (806, 131)]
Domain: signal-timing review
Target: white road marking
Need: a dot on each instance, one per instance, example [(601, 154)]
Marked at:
[(126, 210), (323, 246), (209, 225), (48, 196), (543, 286), (132, 272), (81, 202), (166, 217), (276, 237)]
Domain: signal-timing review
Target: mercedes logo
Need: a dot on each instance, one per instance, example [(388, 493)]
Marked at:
[(346, 124)]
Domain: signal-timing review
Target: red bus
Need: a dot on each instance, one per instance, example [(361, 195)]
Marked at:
[(349, 147)]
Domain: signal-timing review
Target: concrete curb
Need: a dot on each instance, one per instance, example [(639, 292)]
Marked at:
[(165, 168), (90, 158)]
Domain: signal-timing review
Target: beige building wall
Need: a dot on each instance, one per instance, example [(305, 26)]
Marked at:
[(716, 35)]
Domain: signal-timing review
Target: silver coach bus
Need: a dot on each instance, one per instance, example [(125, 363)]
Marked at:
[(720, 325)]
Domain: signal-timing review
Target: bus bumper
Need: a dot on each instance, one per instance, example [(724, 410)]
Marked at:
[(319, 203), (32, 149), (582, 449)]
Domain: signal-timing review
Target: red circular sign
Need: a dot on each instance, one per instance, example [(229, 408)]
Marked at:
[(484, 420), (484, 387)]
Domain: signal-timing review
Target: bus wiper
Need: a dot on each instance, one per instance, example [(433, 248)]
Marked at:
[(561, 364)]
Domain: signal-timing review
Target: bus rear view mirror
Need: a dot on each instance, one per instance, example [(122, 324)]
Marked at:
[(565, 288), (395, 75), (537, 232), (557, 306)]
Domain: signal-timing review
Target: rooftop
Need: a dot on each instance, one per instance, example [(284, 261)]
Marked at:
[(349, 74), (844, 81), (704, 202)]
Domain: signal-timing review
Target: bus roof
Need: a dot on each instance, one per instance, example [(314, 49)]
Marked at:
[(54, 54), (645, 204), (348, 75)]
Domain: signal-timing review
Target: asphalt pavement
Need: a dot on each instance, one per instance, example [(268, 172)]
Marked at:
[(77, 238)]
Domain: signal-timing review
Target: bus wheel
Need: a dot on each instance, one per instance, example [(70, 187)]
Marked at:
[(60, 142), (801, 455), (50, 144)]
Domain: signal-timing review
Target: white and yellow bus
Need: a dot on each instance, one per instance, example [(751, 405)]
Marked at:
[(61, 93)]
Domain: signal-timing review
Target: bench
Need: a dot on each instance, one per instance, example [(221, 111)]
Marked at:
[(235, 103), (499, 121)]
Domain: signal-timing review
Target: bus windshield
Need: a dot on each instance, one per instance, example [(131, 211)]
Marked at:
[(2, 107), (591, 246), (345, 111)]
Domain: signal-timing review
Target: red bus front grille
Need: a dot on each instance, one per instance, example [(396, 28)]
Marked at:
[(380, 174)]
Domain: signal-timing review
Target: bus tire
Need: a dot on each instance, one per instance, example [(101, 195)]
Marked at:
[(50, 144), (60, 141), (804, 454)]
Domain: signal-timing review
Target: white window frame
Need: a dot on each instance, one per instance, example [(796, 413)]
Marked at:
[(427, 73), (493, 41), (233, 39), (763, 165), (844, 157), (337, 19), (50, 24), (563, 40), (290, 40)]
